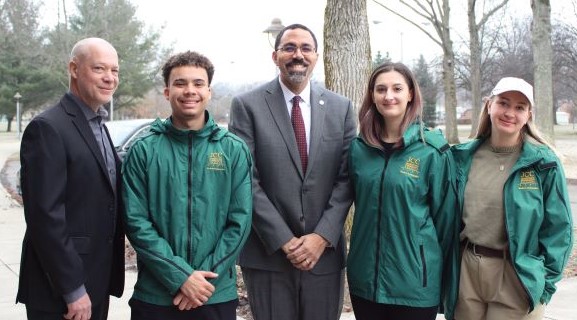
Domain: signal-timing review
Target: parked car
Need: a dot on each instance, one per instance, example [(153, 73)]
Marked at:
[(124, 132)]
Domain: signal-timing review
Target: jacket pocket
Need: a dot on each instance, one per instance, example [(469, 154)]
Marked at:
[(424, 263)]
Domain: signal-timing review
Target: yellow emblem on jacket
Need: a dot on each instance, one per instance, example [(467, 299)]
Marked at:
[(215, 161), (411, 167), (528, 180)]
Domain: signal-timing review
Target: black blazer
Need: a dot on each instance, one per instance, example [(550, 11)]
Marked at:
[(74, 235)]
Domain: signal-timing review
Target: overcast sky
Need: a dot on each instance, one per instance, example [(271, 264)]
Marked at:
[(230, 33)]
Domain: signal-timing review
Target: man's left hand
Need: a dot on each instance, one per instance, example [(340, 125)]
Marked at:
[(308, 254)]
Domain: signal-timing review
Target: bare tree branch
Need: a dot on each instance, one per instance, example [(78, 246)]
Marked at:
[(489, 13), (437, 41)]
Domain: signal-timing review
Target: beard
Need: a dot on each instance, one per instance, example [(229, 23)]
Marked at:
[(297, 77)]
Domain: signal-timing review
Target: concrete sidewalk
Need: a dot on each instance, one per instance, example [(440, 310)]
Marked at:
[(12, 226)]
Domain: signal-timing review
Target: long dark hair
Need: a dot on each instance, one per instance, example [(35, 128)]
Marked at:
[(371, 122)]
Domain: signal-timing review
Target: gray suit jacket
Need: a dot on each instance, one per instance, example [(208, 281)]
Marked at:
[(287, 201)]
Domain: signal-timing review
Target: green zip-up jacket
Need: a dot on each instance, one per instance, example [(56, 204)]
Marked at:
[(188, 201), (538, 217), (404, 222)]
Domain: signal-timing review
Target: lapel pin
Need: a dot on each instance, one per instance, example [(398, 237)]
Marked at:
[(322, 102)]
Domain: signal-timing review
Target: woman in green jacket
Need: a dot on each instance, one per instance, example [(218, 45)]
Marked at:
[(516, 233), (404, 222)]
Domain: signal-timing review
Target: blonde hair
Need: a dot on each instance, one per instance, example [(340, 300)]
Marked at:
[(530, 129)]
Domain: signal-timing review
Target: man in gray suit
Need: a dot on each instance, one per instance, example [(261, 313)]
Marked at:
[(299, 135)]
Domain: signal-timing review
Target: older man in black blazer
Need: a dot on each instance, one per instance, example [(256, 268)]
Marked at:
[(299, 135), (73, 249)]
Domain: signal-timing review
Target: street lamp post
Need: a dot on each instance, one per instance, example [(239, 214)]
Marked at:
[(274, 29), (111, 108), (402, 47), (17, 96)]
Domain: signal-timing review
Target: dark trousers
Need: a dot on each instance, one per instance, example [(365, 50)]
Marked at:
[(369, 310), (99, 312), (294, 295), (218, 311)]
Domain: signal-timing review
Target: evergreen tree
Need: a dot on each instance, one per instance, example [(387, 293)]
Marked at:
[(22, 63), (429, 91), (33, 60), (379, 59), (139, 50)]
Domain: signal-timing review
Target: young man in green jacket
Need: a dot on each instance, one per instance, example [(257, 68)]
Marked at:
[(187, 190)]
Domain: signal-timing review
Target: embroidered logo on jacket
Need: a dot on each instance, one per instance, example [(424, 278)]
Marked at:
[(528, 180), (215, 161), (411, 167)]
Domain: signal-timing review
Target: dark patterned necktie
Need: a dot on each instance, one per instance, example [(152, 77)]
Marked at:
[(300, 132)]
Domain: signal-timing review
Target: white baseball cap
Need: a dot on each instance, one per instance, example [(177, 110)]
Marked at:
[(514, 84)]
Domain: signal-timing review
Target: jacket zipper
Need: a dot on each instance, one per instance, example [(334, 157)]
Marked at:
[(378, 247), (531, 304), (422, 251), (163, 258), (213, 269), (189, 191)]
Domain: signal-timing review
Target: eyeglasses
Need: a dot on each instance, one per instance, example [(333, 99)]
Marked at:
[(292, 49)]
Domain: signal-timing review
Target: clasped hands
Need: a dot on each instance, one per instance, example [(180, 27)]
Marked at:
[(195, 291), (305, 252)]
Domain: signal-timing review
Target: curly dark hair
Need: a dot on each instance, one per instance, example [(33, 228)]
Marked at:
[(188, 58)]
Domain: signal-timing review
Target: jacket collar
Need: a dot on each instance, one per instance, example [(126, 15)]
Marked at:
[(71, 106), (410, 136), (531, 152), (210, 130)]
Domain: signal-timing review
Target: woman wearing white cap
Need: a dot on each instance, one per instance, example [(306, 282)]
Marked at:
[(516, 232)]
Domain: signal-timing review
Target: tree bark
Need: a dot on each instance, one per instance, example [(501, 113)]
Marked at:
[(450, 90), (476, 52), (543, 66), (347, 51), (475, 49), (451, 129)]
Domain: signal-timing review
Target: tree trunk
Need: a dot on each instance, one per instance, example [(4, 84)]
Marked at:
[(347, 51), (476, 52), (347, 55), (475, 49), (451, 133), (450, 90), (543, 66)]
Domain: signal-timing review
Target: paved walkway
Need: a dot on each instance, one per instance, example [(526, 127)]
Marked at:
[(12, 226)]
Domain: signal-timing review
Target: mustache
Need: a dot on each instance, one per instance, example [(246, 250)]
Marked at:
[(297, 61)]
